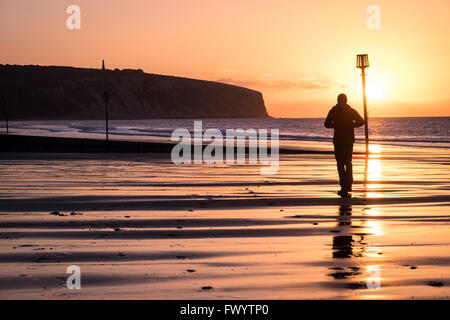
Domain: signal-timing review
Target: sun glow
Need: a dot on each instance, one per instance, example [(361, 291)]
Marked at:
[(375, 91)]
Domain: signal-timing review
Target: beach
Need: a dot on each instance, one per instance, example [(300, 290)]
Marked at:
[(141, 227), (224, 159)]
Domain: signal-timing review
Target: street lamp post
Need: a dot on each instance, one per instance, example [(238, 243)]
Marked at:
[(362, 62), (106, 97), (5, 105)]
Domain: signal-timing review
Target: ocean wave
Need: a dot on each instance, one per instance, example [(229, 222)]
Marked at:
[(417, 132)]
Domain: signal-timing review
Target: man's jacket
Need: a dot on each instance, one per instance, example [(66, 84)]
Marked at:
[(343, 119)]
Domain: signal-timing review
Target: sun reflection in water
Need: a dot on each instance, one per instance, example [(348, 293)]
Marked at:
[(374, 150), (374, 228), (372, 211), (373, 172)]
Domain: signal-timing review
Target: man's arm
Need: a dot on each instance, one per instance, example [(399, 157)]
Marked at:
[(357, 120), (329, 120)]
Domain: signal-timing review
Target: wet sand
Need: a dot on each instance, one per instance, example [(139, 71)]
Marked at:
[(140, 227), (13, 143)]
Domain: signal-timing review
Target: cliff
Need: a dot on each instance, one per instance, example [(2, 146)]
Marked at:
[(41, 92)]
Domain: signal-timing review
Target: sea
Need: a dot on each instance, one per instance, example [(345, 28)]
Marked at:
[(423, 132)]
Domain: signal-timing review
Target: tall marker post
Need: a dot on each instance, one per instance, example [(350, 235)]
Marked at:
[(362, 62), (106, 97), (5, 110)]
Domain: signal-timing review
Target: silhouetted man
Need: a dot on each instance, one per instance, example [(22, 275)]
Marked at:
[(344, 119)]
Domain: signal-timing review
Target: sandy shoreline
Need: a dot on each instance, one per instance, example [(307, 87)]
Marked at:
[(137, 204), (145, 228)]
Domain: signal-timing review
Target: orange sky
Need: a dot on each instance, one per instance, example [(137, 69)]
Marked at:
[(300, 54)]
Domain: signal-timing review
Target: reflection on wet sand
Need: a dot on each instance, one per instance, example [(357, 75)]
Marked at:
[(348, 244), (144, 228), (342, 244), (372, 173)]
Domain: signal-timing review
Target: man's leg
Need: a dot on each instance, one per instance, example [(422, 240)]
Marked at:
[(348, 167), (340, 161)]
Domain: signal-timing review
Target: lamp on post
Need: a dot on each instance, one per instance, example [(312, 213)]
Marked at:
[(106, 98), (362, 62)]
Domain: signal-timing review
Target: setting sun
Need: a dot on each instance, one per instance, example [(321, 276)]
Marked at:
[(375, 91)]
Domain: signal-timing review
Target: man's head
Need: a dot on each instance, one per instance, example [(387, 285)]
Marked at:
[(342, 99)]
